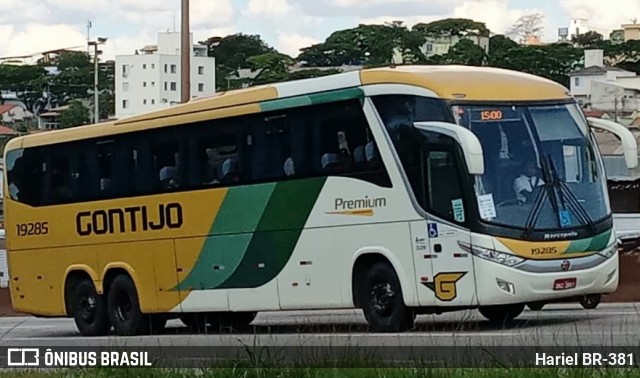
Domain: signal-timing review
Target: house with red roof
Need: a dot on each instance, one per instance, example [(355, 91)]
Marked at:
[(10, 114)]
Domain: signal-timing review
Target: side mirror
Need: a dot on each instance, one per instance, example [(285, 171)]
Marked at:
[(469, 142), (629, 144)]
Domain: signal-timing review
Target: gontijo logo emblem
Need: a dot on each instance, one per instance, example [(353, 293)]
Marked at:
[(444, 285), (361, 207)]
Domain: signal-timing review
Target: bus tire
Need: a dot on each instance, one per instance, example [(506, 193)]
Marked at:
[(590, 302), (502, 314), (382, 300), (124, 308), (89, 310)]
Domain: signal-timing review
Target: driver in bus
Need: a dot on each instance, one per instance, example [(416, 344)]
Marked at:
[(528, 181)]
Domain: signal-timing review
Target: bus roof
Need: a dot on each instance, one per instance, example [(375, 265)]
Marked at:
[(445, 81)]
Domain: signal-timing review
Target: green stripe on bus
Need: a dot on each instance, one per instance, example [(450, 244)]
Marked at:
[(594, 244), (220, 257), (312, 99), (242, 209), (600, 242), (277, 234), (239, 214)]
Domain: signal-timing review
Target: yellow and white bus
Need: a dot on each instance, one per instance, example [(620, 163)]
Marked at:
[(399, 190)]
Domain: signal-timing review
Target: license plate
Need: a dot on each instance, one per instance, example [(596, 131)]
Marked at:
[(564, 284)]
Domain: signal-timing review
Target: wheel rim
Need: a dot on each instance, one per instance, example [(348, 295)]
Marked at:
[(87, 308), (381, 298), (123, 307)]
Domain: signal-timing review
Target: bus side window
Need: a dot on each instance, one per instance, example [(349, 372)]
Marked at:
[(26, 173), (341, 144), (444, 185), (271, 148), (216, 159), (166, 165), (398, 114)]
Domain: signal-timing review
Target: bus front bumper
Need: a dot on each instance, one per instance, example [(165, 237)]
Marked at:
[(499, 284)]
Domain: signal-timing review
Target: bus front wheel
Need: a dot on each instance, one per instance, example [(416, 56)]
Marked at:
[(124, 308), (382, 301), (501, 314), (590, 302), (89, 310)]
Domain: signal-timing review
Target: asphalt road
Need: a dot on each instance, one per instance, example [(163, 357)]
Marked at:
[(555, 325)]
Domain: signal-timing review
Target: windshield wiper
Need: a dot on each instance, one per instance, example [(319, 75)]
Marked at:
[(574, 203), (539, 201)]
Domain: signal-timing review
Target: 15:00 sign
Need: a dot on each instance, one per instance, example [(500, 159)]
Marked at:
[(33, 229)]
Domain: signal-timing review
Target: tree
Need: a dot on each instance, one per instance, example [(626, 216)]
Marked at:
[(370, 45), (272, 67), (617, 36), (527, 27), (553, 62), (500, 46), (452, 27), (29, 83), (465, 52), (232, 53), (76, 115), (75, 78), (588, 39), (340, 48)]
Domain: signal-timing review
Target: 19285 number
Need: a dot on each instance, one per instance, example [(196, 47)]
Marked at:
[(32, 229)]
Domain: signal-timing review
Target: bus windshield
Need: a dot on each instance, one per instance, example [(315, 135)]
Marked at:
[(542, 170)]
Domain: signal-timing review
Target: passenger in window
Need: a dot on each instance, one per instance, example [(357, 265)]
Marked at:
[(525, 185), (229, 172), (169, 178), (289, 168)]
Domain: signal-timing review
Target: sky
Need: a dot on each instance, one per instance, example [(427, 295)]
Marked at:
[(32, 26)]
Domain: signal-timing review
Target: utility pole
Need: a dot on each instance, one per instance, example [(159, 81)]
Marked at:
[(89, 25), (185, 52), (96, 94)]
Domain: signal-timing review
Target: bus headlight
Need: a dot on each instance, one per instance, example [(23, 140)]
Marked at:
[(493, 255), (609, 251)]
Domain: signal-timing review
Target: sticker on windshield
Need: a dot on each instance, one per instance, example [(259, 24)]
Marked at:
[(565, 218), (458, 210), (487, 206)]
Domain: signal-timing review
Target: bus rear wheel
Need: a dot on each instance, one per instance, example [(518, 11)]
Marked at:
[(124, 308), (382, 301), (89, 310), (501, 314)]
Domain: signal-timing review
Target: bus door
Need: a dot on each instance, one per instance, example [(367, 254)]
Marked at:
[(452, 281)]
